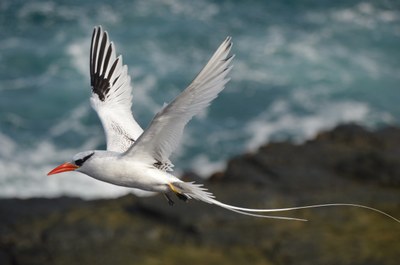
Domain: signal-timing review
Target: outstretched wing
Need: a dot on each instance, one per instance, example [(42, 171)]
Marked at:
[(162, 137), (112, 93)]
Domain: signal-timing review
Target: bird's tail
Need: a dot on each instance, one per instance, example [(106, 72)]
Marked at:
[(198, 192)]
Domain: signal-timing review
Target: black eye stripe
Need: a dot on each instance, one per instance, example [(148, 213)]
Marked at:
[(80, 162)]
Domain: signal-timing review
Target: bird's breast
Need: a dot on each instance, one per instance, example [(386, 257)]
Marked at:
[(132, 174)]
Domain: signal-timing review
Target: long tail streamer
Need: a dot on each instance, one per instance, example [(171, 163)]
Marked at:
[(198, 192)]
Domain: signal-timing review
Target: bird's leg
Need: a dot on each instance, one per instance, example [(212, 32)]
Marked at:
[(178, 194), (169, 200)]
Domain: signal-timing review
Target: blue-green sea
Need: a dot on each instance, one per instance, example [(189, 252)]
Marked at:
[(300, 67)]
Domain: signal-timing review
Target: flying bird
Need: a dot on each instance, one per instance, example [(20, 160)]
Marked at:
[(137, 158)]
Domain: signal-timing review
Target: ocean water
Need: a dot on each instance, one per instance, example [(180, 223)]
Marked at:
[(300, 67)]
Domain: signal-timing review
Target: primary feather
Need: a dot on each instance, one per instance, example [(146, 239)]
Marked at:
[(163, 135), (112, 93)]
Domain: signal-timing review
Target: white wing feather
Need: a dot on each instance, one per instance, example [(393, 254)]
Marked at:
[(112, 93), (162, 137), (112, 96)]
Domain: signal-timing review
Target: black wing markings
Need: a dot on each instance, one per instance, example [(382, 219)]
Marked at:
[(99, 64)]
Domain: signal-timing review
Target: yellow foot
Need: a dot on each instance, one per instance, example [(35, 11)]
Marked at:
[(173, 188)]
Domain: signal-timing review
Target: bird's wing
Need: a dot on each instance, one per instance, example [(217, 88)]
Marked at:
[(161, 138), (112, 93)]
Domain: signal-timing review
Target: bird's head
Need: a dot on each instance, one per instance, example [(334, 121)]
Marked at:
[(77, 162)]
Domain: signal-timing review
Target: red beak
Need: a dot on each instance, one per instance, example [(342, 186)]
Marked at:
[(63, 168)]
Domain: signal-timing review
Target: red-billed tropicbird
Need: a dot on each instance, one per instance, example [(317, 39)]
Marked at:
[(140, 159)]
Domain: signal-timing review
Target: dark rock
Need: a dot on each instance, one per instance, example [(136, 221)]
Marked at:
[(348, 164), (348, 151)]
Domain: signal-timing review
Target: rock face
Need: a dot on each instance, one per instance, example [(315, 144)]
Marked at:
[(348, 164)]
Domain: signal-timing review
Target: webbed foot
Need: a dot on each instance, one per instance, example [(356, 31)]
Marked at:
[(182, 197)]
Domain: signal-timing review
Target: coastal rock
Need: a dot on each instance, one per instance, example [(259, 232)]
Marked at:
[(347, 164)]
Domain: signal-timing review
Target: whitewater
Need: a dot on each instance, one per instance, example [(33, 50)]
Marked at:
[(299, 68)]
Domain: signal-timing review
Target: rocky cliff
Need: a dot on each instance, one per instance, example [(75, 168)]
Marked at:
[(348, 164)]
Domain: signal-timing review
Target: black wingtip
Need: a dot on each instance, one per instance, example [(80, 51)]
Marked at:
[(100, 60)]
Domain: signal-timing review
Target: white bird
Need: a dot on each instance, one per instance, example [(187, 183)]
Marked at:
[(140, 159)]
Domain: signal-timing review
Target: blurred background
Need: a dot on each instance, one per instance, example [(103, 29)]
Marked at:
[(300, 67)]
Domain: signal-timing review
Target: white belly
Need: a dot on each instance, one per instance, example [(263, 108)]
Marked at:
[(128, 173)]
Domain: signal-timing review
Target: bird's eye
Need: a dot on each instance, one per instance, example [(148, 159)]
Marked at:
[(79, 162)]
